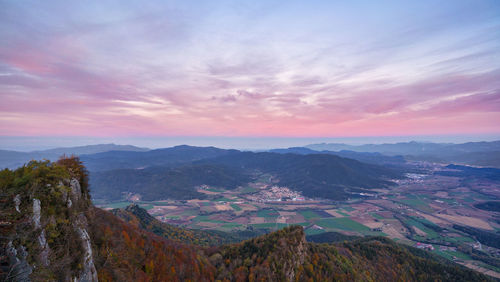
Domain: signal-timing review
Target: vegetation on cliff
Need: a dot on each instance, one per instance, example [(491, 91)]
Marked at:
[(44, 207)]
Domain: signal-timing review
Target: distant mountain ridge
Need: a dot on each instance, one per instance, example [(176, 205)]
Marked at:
[(111, 156), (93, 149), (13, 159), (367, 157), (410, 148), (471, 153), (172, 156)]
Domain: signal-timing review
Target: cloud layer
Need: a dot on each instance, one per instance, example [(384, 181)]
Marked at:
[(256, 68)]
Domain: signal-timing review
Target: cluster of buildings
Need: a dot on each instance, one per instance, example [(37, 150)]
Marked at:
[(278, 194), (424, 246)]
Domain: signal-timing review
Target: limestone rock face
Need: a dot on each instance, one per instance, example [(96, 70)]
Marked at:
[(17, 202), (47, 236), (76, 190), (36, 213), (88, 272), (17, 257), (42, 241)]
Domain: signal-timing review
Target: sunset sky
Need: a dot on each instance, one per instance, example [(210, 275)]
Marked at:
[(249, 68)]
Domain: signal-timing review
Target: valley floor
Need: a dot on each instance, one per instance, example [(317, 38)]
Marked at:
[(422, 211)]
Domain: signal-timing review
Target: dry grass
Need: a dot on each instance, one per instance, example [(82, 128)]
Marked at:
[(393, 232), (373, 224), (469, 221), (224, 207), (433, 219), (334, 213)]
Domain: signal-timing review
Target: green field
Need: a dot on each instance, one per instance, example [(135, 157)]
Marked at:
[(414, 202), (267, 213), (342, 213), (215, 190), (189, 212), (248, 190), (377, 216), (309, 214), (342, 223), (457, 240), (450, 254), (231, 225), (236, 207), (146, 206), (416, 222), (205, 218)]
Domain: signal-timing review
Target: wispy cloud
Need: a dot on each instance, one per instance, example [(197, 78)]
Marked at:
[(249, 69)]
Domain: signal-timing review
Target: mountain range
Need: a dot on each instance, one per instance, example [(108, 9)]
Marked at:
[(315, 175), (471, 153), (111, 156), (118, 170), (367, 157), (13, 159)]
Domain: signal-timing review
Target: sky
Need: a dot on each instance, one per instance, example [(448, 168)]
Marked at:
[(248, 69)]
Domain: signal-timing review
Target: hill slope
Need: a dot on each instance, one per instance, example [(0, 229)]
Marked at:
[(286, 256), (163, 182), (315, 175), (139, 217)]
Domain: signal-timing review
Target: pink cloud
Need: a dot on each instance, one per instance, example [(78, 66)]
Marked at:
[(53, 86)]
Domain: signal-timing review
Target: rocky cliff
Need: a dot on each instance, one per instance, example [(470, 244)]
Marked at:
[(45, 211)]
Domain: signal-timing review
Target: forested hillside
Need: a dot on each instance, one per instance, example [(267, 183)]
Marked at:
[(315, 175), (139, 217), (163, 182)]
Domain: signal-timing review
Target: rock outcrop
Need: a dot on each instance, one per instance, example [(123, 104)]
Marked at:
[(20, 270), (88, 272), (47, 236)]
